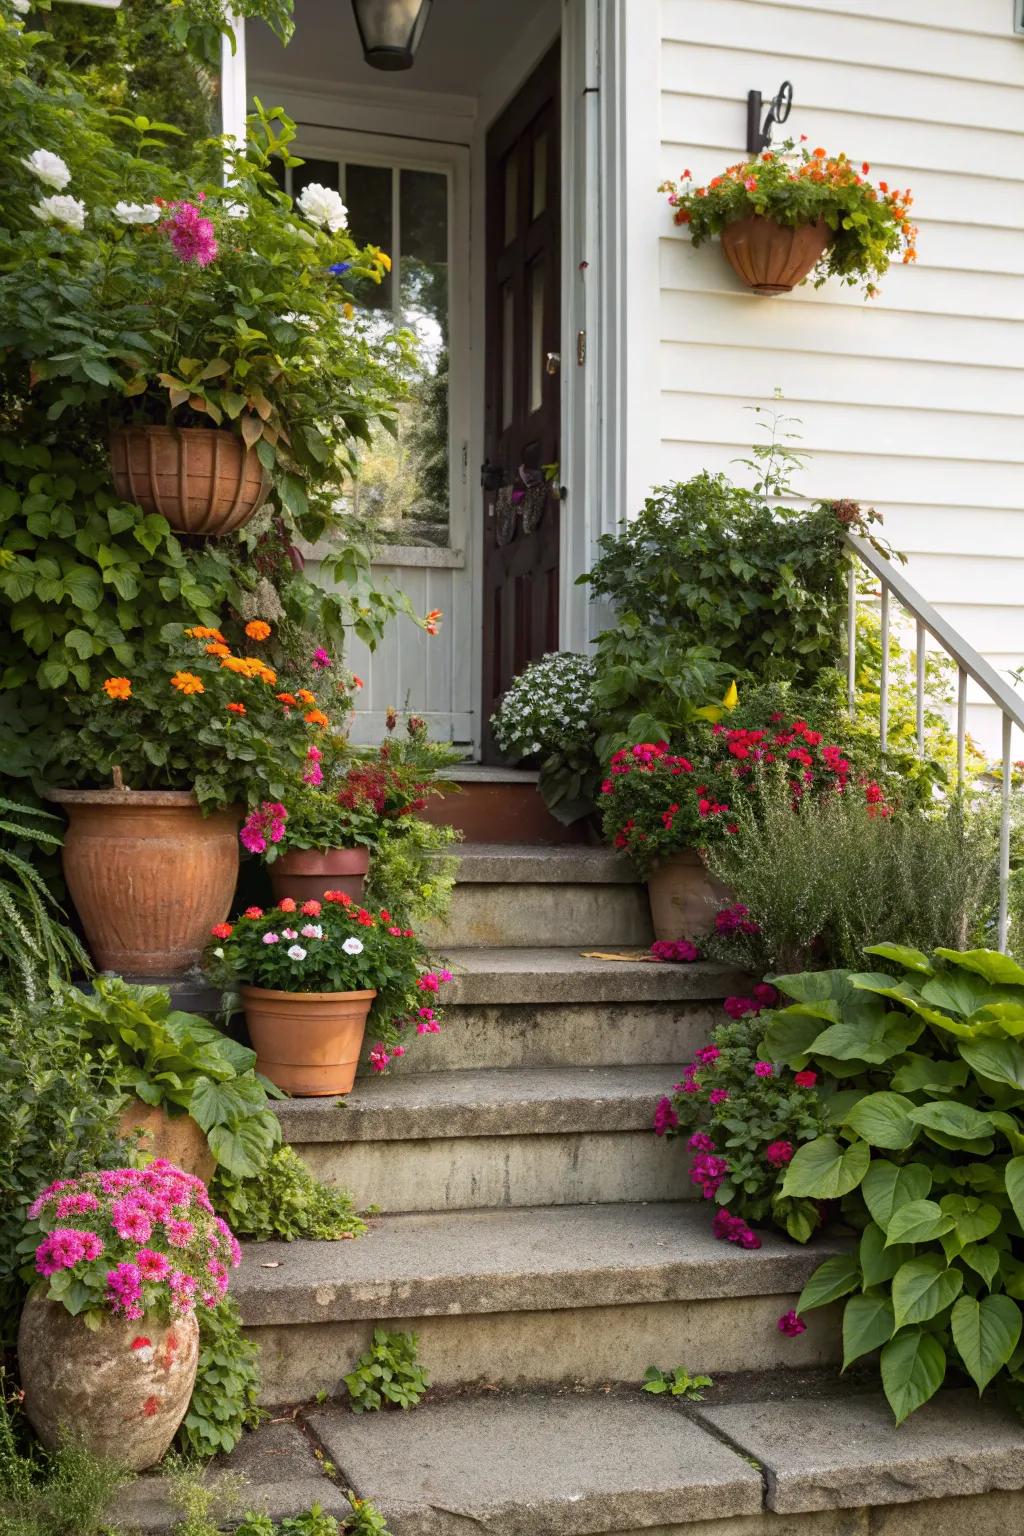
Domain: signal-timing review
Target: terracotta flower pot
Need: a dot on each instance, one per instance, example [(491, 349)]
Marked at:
[(684, 896), (121, 1390), (204, 481), (769, 257), (308, 1043), (304, 874), (175, 1137), (149, 875)]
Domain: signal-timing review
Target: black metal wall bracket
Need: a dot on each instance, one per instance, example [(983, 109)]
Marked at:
[(759, 135)]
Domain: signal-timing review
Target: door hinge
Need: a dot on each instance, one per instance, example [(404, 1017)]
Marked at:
[(581, 348)]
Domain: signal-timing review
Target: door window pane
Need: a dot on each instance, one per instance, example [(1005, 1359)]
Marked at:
[(508, 354), (536, 336), (511, 197), (539, 183), (368, 197), (323, 172)]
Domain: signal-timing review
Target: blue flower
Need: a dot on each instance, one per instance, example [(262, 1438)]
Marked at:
[(339, 268)]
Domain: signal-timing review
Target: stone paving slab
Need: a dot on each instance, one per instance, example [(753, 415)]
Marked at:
[(846, 1451), (513, 1260), (481, 1102), (537, 1466), (563, 976)]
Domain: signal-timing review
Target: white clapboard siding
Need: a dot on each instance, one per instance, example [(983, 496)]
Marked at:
[(911, 403)]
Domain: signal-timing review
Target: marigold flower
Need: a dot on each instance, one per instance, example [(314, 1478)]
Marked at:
[(258, 629), (286, 698), (216, 648), (315, 717), (201, 632), (187, 682), (305, 697), (117, 688), (236, 709)]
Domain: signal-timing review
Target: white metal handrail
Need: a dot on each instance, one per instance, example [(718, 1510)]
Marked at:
[(895, 586)]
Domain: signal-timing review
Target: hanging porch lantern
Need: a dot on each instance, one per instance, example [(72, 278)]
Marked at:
[(390, 30)]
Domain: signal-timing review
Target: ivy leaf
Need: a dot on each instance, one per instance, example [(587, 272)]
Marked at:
[(823, 1170), (883, 1120), (985, 1334), (836, 1277), (913, 1369), (924, 1287), (867, 1324)]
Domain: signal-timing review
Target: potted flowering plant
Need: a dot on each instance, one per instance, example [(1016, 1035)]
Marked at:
[(312, 842), (311, 976), (159, 764), (108, 1339), (793, 210)]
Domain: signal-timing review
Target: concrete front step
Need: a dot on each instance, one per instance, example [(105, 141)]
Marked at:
[(520, 896), (448, 1140), (530, 1297), (511, 975)]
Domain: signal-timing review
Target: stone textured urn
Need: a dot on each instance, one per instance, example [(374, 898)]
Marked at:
[(305, 873), (308, 1043), (684, 896), (149, 875), (122, 1390), (772, 258), (203, 480), (175, 1137)]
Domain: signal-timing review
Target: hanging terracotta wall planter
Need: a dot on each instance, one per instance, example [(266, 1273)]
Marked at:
[(772, 258), (308, 1043), (149, 875), (305, 873), (203, 481)]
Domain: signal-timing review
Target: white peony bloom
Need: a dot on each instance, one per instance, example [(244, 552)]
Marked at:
[(137, 213), (48, 167), (296, 952), (323, 206), (61, 210), (353, 946)]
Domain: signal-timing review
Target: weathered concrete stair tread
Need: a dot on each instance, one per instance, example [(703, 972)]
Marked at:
[(526, 863), (538, 1466), (482, 773), (564, 976), (485, 1102), (845, 1451), (514, 1260)]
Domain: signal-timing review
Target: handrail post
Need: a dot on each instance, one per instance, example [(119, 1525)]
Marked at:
[(920, 688), (883, 689), (1004, 839), (851, 638)]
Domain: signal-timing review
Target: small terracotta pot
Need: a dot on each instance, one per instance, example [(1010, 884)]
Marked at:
[(684, 896), (149, 875), (769, 257), (121, 1390), (202, 480), (308, 1043), (176, 1137), (305, 873)]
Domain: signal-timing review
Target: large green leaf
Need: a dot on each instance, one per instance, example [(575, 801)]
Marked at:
[(913, 1368), (983, 1259), (917, 1074), (1000, 1060), (883, 1120), (997, 1019), (974, 1219), (1014, 1176), (878, 1260), (985, 1333), (813, 986), (824, 1170), (994, 967), (887, 1188), (243, 1149), (867, 1325), (919, 1221), (953, 1119), (789, 1037), (215, 1103), (958, 992), (836, 1277), (924, 1287), (901, 954)]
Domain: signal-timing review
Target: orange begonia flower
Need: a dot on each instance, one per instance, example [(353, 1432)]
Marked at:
[(187, 682), (117, 688), (258, 629)]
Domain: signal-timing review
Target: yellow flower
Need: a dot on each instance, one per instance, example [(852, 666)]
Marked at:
[(348, 311)]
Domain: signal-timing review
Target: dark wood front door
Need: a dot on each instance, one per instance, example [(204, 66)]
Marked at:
[(521, 511)]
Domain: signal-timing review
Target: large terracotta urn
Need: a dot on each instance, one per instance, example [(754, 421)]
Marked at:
[(308, 1043), (176, 1138), (305, 873), (772, 258), (684, 896), (121, 1390), (202, 480), (149, 874)]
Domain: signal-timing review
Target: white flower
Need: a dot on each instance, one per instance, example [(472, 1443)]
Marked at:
[(49, 168), (219, 953), (21, 7), (353, 946), (234, 210), (323, 206), (312, 931), (136, 213), (61, 210), (296, 952)]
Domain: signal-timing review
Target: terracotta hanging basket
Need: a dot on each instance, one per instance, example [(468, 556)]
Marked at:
[(149, 875), (308, 1043), (203, 481), (771, 258), (305, 873)]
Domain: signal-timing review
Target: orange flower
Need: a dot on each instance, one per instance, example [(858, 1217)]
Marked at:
[(250, 666), (117, 688), (357, 682), (216, 648), (200, 632), (305, 697), (287, 698), (237, 709), (258, 629), (315, 717), (819, 154), (430, 623), (187, 682)]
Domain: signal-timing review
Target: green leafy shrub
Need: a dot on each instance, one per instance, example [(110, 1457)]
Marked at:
[(926, 1154), (387, 1373), (224, 1400), (412, 872), (37, 951), (285, 1201), (677, 1383), (61, 1493)]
